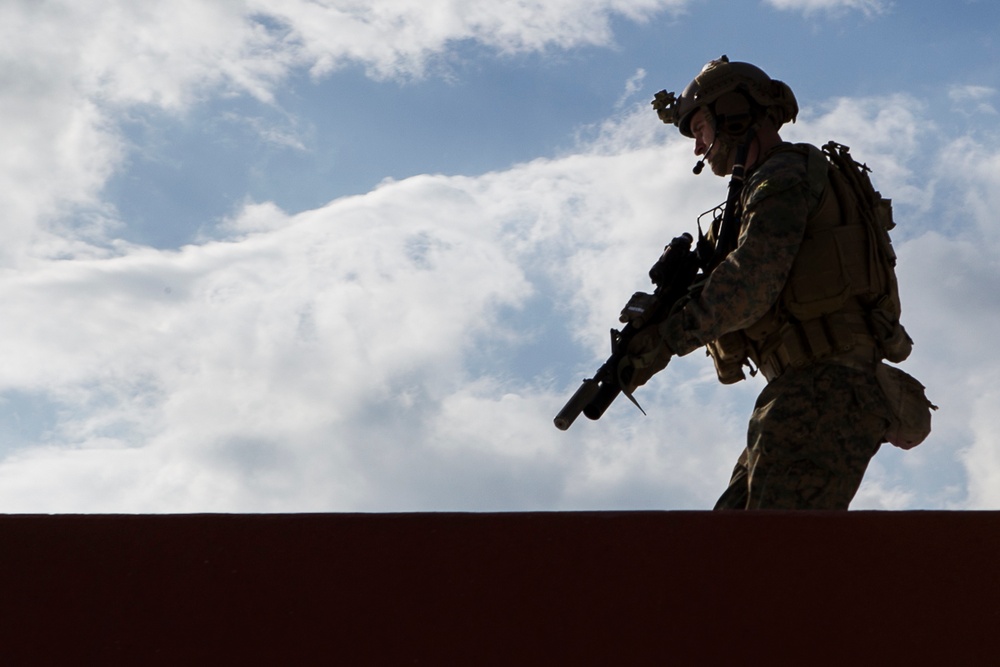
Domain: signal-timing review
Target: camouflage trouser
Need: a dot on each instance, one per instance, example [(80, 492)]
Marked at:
[(811, 436)]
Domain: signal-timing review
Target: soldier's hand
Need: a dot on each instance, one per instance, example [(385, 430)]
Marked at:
[(647, 355)]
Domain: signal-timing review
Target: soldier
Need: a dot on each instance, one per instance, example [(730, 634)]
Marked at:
[(796, 297)]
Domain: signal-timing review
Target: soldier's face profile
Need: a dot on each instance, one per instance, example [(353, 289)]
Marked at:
[(717, 150), (704, 133)]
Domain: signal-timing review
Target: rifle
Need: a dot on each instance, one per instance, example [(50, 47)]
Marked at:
[(673, 275)]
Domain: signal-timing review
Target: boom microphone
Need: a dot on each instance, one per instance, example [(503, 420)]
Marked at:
[(700, 164)]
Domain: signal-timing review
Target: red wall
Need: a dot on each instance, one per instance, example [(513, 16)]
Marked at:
[(633, 588)]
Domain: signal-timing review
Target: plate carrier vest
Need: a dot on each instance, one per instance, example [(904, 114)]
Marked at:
[(841, 300)]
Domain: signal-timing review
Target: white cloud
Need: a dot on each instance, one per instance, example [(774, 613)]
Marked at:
[(632, 86), (72, 69), (886, 133), (407, 349), (396, 37), (866, 7), (973, 99), (982, 459), (322, 360), (229, 353), (358, 358)]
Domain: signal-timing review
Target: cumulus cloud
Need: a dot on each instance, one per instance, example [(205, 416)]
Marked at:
[(332, 346), (891, 133), (355, 358), (407, 349), (395, 37), (73, 70)]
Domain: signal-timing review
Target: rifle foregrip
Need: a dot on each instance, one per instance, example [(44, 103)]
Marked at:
[(602, 399)]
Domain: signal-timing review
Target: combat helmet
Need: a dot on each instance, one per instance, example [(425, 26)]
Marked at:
[(736, 93)]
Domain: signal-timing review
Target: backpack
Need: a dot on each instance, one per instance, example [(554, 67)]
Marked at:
[(852, 185)]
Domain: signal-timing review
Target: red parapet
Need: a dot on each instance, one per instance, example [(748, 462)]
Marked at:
[(587, 588)]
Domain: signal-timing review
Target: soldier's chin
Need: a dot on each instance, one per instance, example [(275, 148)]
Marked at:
[(721, 161), (720, 168)]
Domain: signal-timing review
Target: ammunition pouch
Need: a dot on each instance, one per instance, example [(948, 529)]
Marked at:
[(892, 338), (730, 352), (841, 337)]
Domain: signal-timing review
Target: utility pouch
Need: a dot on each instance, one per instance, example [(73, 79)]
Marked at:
[(729, 352), (892, 338), (910, 411)]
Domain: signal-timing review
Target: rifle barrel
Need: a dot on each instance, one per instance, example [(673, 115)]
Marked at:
[(575, 405)]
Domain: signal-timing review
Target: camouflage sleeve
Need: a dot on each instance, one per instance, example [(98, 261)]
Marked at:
[(747, 283)]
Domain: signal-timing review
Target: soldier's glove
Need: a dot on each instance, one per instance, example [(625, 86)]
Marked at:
[(647, 354)]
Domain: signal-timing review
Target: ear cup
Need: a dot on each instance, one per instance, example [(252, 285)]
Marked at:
[(734, 113)]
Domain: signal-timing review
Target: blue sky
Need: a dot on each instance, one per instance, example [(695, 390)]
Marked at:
[(477, 110), (332, 256)]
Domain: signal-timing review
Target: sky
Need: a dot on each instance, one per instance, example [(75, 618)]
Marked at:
[(354, 256)]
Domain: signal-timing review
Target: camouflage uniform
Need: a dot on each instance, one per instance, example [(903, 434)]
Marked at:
[(813, 429)]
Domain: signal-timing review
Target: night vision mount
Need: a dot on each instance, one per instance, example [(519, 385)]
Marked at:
[(666, 105)]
